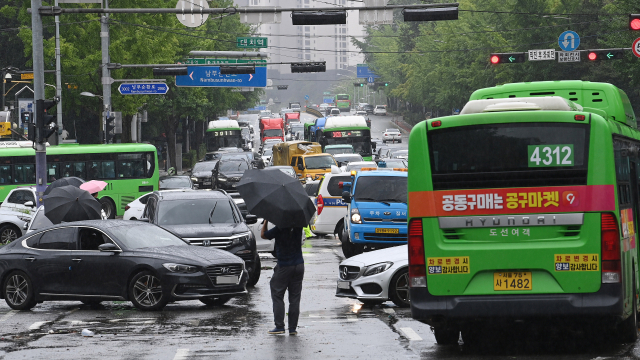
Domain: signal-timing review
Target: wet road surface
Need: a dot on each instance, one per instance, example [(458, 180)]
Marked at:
[(330, 328)]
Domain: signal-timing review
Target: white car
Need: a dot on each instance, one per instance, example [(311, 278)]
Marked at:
[(377, 276), (331, 209), (359, 165), (392, 135), (380, 110), (16, 210), (134, 209)]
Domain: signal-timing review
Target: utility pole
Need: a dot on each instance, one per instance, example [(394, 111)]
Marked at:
[(58, 79), (38, 94), (106, 73)]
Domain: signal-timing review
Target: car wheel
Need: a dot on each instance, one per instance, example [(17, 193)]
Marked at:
[(254, 275), (446, 336), (628, 329), (108, 207), (18, 291), (399, 288), (215, 301), (8, 233), (145, 292), (350, 249)]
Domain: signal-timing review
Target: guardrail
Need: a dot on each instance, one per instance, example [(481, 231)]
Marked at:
[(314, 112)]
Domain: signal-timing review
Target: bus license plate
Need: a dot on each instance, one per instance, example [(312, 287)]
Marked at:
[(387, 231), (344, 285), (512, 280)]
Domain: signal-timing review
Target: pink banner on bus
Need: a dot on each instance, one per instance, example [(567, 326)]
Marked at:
[(553, 199)]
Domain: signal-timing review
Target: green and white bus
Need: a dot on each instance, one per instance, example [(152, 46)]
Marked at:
[(223, 133), (524, 208), (131, 170), (343, 102), (347, 130)]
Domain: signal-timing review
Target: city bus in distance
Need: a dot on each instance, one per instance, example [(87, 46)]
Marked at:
[(343, 102), (223, 133), (130, 170), (525, 208), (349, 130)]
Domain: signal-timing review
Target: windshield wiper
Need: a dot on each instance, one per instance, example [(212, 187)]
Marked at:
[(211, 213), (392, 200)]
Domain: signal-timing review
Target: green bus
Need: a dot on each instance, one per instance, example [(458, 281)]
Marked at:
[(347, 130), (343, 102), (131, 170), (223, 133), (524, 208)]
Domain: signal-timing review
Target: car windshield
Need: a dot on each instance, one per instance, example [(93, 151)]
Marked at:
[(175, 182), (138, 236), (379, 107), (204, 166), (381, 189), (357, 167), (319, 162), (267, 152), (392, 131), (349, 158), (296, 128), (195, 211), (272, 132), (395, 163), (40, 221), (342, 150), (233, 166)]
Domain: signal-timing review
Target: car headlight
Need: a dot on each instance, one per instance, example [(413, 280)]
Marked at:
[(377, 268), (180, 268), (355, 216), (194, 179), (222, 179), (244, 238)]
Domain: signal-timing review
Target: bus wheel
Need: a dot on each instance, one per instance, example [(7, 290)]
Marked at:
[(350, 249), (446, 336), (109, 207), (628, 329)]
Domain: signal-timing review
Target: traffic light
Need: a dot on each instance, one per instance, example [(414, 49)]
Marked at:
[(507, 58), (358, 84), (634, 22), (45, 124), (309, 67), (430, 14), (171, 71), (605, 54), (110, 128)]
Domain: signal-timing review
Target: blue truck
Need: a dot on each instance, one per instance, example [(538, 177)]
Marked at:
[(377, 210)]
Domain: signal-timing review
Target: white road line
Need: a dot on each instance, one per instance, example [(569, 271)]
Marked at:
[(38, 325), (352, 318), (389, 310), (8, 315), (181, 354), (410, 334)]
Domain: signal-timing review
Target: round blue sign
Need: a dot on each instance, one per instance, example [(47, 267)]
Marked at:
[(306, 97), (569, 40)]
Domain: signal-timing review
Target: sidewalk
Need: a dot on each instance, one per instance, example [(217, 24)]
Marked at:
[(401, 124)]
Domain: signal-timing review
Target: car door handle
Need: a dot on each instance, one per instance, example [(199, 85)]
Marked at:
[(76, 260), (31, 259)]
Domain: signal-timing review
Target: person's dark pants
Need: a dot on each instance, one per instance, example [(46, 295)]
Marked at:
[(283, 279)]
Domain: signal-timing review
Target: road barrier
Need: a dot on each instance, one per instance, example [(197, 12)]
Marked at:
[(314, 112)]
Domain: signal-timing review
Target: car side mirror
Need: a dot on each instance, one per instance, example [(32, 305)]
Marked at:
[(250, 219), (108, 247), (300, 167), (29, 204), (346, 197), (26, 225)]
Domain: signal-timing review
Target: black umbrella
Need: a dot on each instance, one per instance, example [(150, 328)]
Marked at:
[(69, 203), (69, 180), (277, 197)]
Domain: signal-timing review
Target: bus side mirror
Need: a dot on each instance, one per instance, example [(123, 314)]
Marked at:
[(346, 197)]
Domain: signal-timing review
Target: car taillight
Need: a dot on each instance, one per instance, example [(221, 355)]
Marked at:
[(127, 208), (385, 134), (610, 237), (417, 264), (320, 204)]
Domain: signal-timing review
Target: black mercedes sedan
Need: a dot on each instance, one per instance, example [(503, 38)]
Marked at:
[(94, 261)]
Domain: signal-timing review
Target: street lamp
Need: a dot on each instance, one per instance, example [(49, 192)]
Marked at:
[(88, 94), (6, 78)]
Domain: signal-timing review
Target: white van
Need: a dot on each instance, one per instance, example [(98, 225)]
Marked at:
[(331, 209)]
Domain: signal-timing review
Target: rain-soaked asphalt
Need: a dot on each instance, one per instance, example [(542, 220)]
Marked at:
[(330, 328)]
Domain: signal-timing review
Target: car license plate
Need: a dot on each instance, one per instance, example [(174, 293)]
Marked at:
[(207, 183), (344, 285), (227, 279), (512, 280), (387, 231)]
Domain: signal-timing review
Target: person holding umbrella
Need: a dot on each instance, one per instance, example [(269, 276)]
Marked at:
[(94, 187), (282, 201)]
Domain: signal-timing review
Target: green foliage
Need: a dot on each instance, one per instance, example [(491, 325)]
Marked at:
[(202, 151), (190, 159)]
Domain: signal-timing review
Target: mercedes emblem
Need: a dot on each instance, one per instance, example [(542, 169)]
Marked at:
[(345, 272)]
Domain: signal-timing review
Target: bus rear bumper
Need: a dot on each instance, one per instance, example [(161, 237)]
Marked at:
[(436, 310)]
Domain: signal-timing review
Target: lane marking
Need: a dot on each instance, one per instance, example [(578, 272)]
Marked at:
[(389, 310), (410, 334), (8, 315), (352, 318), (38, 325), (181, 354)]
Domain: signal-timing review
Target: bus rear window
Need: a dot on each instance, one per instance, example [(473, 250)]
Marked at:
[(509, 155)]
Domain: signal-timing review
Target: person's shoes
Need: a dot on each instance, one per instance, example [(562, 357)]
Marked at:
[(276, 331), (293, 332)]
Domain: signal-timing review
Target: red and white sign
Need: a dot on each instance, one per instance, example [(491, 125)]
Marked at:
[(636, 47)]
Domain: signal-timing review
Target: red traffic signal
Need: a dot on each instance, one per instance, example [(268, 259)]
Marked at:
[(507, 58), (605, 54), (634, 22)]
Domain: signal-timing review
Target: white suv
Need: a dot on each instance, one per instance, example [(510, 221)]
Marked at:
[(380, 110), (15, 211), (331, 209)]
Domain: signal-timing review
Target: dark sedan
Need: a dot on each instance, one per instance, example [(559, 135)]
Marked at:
[(201, 174), (228, 173), (94, 261)]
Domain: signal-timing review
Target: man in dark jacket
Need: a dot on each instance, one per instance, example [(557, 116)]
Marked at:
[(287, 275)]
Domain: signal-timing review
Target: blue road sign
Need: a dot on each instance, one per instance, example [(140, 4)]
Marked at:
[(306, 97), (143, 89), (371, 79), (210, 76), (258, 108), (363, 71), (569, 40)]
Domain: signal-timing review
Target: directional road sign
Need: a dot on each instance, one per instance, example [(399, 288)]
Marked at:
[(209, 76), (362, 71), (306, 97), (224, 61), (143, 89), (251, 42), (636, 47), (569, 40), (546, 54)]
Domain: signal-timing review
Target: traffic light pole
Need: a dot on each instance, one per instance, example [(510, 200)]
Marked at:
[(38, 94), (106, 73)]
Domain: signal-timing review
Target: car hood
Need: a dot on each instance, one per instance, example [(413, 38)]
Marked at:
[(232, 173), (202, 174), (206, 230), (377, 210), (396, 254), (190, 255)]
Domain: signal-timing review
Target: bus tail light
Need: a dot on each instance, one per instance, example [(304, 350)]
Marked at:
[(610, 236), (320, 204), (417, 264), (580, 117)]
